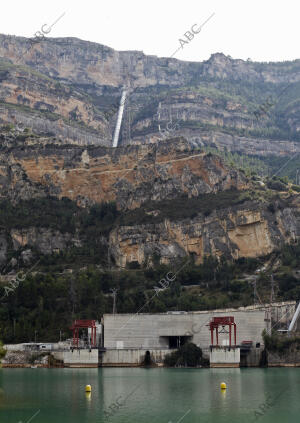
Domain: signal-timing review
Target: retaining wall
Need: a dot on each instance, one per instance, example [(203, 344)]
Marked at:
[(131, 357)]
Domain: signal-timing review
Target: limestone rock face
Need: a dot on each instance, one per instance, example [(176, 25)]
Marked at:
[(130, 176), (43, 240), (250, 230), (135, 177), (46, 240), (70, 89), (31, 100), (3, 247)]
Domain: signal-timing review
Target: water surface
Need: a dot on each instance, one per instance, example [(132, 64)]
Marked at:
[(149, 395)]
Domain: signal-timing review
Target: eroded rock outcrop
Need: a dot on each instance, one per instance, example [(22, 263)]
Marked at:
[(46, 240), (71, 89), (249, 230), (170, 172), (130, 175)]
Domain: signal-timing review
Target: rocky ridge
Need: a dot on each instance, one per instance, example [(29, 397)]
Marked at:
[(130, 175), (226, 214), (71, 89)]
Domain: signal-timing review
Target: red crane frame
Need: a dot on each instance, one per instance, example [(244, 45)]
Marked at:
[(222, 321), (85, 324)]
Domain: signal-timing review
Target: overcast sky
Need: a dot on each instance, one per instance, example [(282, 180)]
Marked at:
[(262, 30)]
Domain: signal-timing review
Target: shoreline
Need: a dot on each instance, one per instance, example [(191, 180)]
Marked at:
[(83, 366)]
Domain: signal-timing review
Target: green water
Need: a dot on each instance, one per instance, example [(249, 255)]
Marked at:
[(153, 395)]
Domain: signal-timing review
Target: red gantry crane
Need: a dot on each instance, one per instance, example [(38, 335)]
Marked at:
[(222, 321), (84, 324)]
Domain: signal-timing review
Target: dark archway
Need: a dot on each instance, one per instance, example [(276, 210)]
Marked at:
[(147, 361)]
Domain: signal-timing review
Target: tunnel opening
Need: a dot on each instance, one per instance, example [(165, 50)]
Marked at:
[(147, 360), (176, 342)]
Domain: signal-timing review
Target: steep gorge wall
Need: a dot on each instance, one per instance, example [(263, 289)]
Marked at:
[(71, 89), (26, 240), (250, 230), (87, 63), (146, 178), (130, 176)]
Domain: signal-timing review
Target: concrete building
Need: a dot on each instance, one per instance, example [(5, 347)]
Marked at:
[(128, 337)]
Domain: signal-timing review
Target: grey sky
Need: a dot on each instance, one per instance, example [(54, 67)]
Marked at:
[(263, 30)]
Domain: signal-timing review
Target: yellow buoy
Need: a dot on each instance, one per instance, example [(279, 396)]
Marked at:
[(88, 388), (223, 385)]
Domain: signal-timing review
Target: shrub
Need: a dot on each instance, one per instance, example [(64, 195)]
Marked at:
[(276, 185), (188, 355), (2, 351), (271, 208), (133, 265), (296, 188), (237, 286)]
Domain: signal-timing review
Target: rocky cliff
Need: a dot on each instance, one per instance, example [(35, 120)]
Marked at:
[(251, 229), (58, 105), (71, 89), (130, 176), (173, 201)]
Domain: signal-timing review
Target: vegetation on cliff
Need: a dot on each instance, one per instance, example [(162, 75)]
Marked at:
[(279, 343), (91, 224), (262, 166)]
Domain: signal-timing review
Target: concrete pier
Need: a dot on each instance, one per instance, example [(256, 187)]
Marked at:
[(79, 358), (224, 356)]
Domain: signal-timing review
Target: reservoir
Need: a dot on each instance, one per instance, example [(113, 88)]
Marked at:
[(140, 395)]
